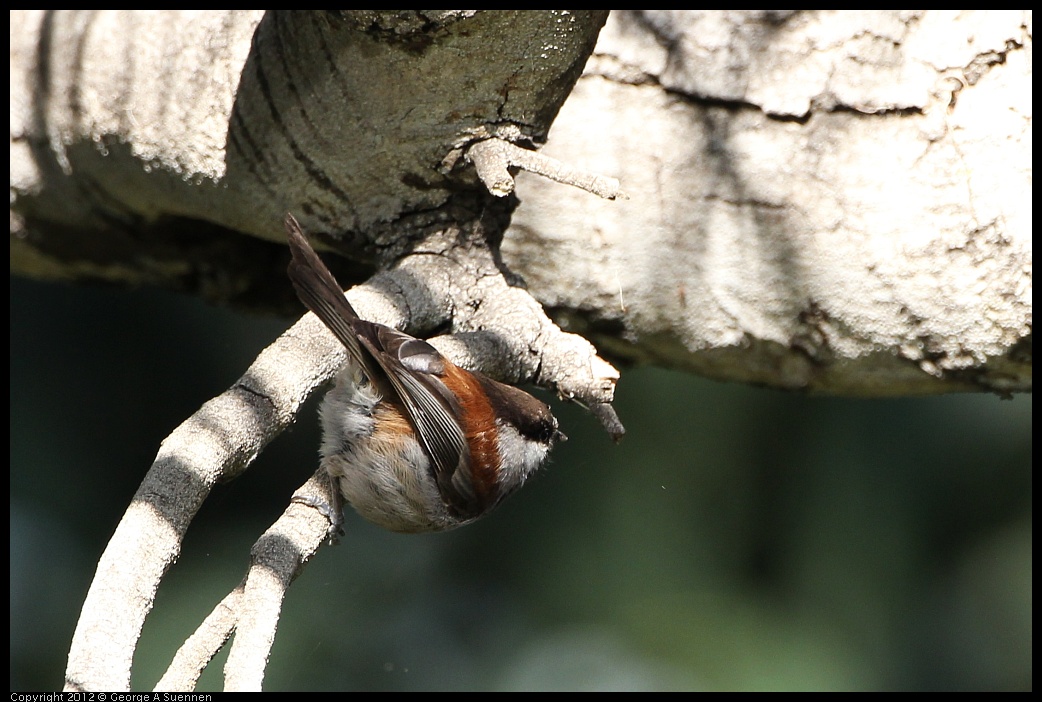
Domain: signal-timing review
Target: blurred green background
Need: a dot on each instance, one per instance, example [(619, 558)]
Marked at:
[(738, 538)]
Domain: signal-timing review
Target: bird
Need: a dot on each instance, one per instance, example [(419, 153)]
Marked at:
[(413, 442)]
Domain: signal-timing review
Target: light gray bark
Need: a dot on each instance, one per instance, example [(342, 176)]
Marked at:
[(836, 201)]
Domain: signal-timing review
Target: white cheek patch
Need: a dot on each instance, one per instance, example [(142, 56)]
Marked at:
[(519, 457)]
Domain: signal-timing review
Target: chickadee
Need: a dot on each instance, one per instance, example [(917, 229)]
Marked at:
[(415, 442)]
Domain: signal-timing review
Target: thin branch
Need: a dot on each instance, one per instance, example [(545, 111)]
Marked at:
[(493, 158), (277, 560), (200, 648), (216, 443)]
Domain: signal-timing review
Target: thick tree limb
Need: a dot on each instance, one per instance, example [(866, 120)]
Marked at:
[(828, 201)]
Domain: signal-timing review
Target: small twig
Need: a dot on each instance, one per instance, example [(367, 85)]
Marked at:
[(609, 420), (252, 609), (200, 648), (278, 557), (493, 158)]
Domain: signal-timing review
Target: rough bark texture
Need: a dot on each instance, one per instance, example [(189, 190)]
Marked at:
[(837, 201), (143, 143)]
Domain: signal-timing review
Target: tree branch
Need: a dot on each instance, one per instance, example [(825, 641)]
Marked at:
[(846, 211), (493, 158)]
